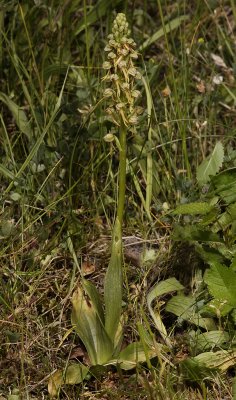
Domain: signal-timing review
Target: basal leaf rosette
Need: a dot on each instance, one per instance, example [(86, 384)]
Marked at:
[(122, 75)]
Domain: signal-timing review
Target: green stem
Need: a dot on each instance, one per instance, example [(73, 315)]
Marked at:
[(122, 174)]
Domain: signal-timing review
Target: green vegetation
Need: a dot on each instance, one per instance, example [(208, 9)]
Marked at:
[(118, 200)]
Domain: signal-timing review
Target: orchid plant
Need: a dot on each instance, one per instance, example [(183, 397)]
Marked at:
[(100, 328)]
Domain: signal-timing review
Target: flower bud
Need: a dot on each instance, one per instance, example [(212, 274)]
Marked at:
[(122, 64), (111, 55), (135, 93), (110, 110), (107, 48), (132, 71), (138, 75), (134, 55), (124, 52), (139, 110), (109, 137), (106, 65), (119, 106), (108, 92), (125, 86), (112, 43), (133, 120), (114, 77)]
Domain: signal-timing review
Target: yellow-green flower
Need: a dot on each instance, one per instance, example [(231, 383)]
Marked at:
[(121, 74)]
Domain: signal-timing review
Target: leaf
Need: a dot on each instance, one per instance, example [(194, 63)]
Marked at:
[(225, 185), (161, 288), (18, 114), (95, 297), (193, 208), (222, 359), (90, 328), (5, 171), (226, 218), (185, 308), (132, 355), (211, 165), (209, 340), (221, 283), (74, 374), (169, 26), (113, 284), (194, 371), (193, 233)]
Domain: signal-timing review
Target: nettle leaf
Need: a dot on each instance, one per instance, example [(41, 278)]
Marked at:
[(161, 288), (221, 282), (193, 208), (211, 165), (225, 185), (226, 218), (193, 233), (74, 374)]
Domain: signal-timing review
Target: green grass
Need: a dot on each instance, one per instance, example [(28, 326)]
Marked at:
[(59, 179)]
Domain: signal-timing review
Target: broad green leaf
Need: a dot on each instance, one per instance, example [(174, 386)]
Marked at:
[(209, 255), (211, 165), (95, 298), (194, 371), (161, 288), (74, 374), (225, 185), (222, 359), (113, 284), (169, 26), (233, 264), (193, 233), (132, 355), (18, 114), (226, 218), (221, 282), (209, 340), (184, 307), (90, 329), (193, 208)]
